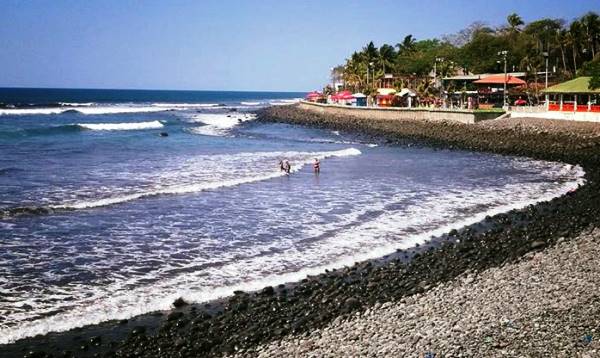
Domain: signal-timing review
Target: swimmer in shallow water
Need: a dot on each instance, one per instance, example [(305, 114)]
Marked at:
[(286, 166), (317, 166)]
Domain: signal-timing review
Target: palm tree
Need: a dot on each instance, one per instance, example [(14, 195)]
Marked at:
[(572, 39), (533, 62), (355, 71), (407, 45), (562, 39), (514, 21), (387, 55), (591, 24), (370, 52)]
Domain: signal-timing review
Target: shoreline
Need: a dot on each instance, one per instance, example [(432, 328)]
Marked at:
[(247, 319)]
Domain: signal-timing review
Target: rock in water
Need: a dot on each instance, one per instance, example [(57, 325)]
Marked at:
[(178, 303), (268, 291)]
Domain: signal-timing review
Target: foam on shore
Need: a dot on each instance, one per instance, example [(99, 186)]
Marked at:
[(118, 301)]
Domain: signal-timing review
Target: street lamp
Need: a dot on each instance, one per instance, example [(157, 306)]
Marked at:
[(332, 79), (545, 54), (503, 54), (441, 87), (372, 74), (368, 70)]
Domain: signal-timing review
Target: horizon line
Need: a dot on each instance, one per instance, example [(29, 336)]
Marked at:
[(147, 89)]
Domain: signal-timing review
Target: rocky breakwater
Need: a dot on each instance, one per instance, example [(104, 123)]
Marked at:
[(572, 142), (248, 320)]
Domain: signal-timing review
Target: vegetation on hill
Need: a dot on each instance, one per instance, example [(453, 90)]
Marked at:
[(572, 49)]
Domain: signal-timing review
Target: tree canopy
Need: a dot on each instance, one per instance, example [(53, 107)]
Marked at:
[(569, 48)]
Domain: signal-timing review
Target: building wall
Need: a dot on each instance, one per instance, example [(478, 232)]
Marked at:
[(430, 114), (569, 116)]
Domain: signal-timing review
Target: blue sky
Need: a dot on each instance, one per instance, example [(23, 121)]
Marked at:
[(222, 45)]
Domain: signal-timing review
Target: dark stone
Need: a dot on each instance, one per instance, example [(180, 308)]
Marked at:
[(139, 330), (537, 244), (178, 303), (352, 303), (268, 291), (96, 340), (173, 316)]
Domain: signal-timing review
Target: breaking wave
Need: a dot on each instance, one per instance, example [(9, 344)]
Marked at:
[(86, 109), (121, 126), (218, 124), (298, 159)]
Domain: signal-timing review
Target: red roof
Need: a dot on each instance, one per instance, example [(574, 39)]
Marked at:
[(343, 95), (499, 79), (314, 94)]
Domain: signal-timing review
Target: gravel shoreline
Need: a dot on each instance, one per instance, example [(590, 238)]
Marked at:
[(249, 320), (545, 305)]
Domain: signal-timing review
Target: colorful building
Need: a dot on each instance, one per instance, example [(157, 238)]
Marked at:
[(573, 96)]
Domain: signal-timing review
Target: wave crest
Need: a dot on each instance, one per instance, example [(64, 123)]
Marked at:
[(218, 124), (121, 126), (298, 160)]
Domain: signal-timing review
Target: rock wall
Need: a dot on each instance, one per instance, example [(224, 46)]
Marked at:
[(430, 114)]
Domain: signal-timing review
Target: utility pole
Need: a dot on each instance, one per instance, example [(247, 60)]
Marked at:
[(547, 97), (503, 54), (441, 87), (369, 65), (332, 79), (372, 74), (545, 53)]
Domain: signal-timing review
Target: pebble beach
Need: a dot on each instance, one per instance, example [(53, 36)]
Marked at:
[(543, 305), (521, 283)]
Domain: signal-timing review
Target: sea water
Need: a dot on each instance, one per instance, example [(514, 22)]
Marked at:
[(103, 218)]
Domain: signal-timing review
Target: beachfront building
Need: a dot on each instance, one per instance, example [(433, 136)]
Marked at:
[(344, 98), (316, 97), (385, 97), (361, 99), (388, 81), (490, 89), (487, 89), (573, 96), (571, 100)]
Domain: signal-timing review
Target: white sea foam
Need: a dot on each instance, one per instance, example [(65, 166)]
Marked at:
[(121, 126), (218, 124), (32, 111), (299, 159), (250, 103), (90, 110), (260, 266), (76, 104), (284, 102), (120, 109), (186, 105)]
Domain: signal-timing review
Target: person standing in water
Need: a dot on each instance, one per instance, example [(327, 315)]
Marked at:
[(286, 166), (317, 166)]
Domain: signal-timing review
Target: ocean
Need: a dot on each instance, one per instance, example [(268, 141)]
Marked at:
[(114, 203)]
